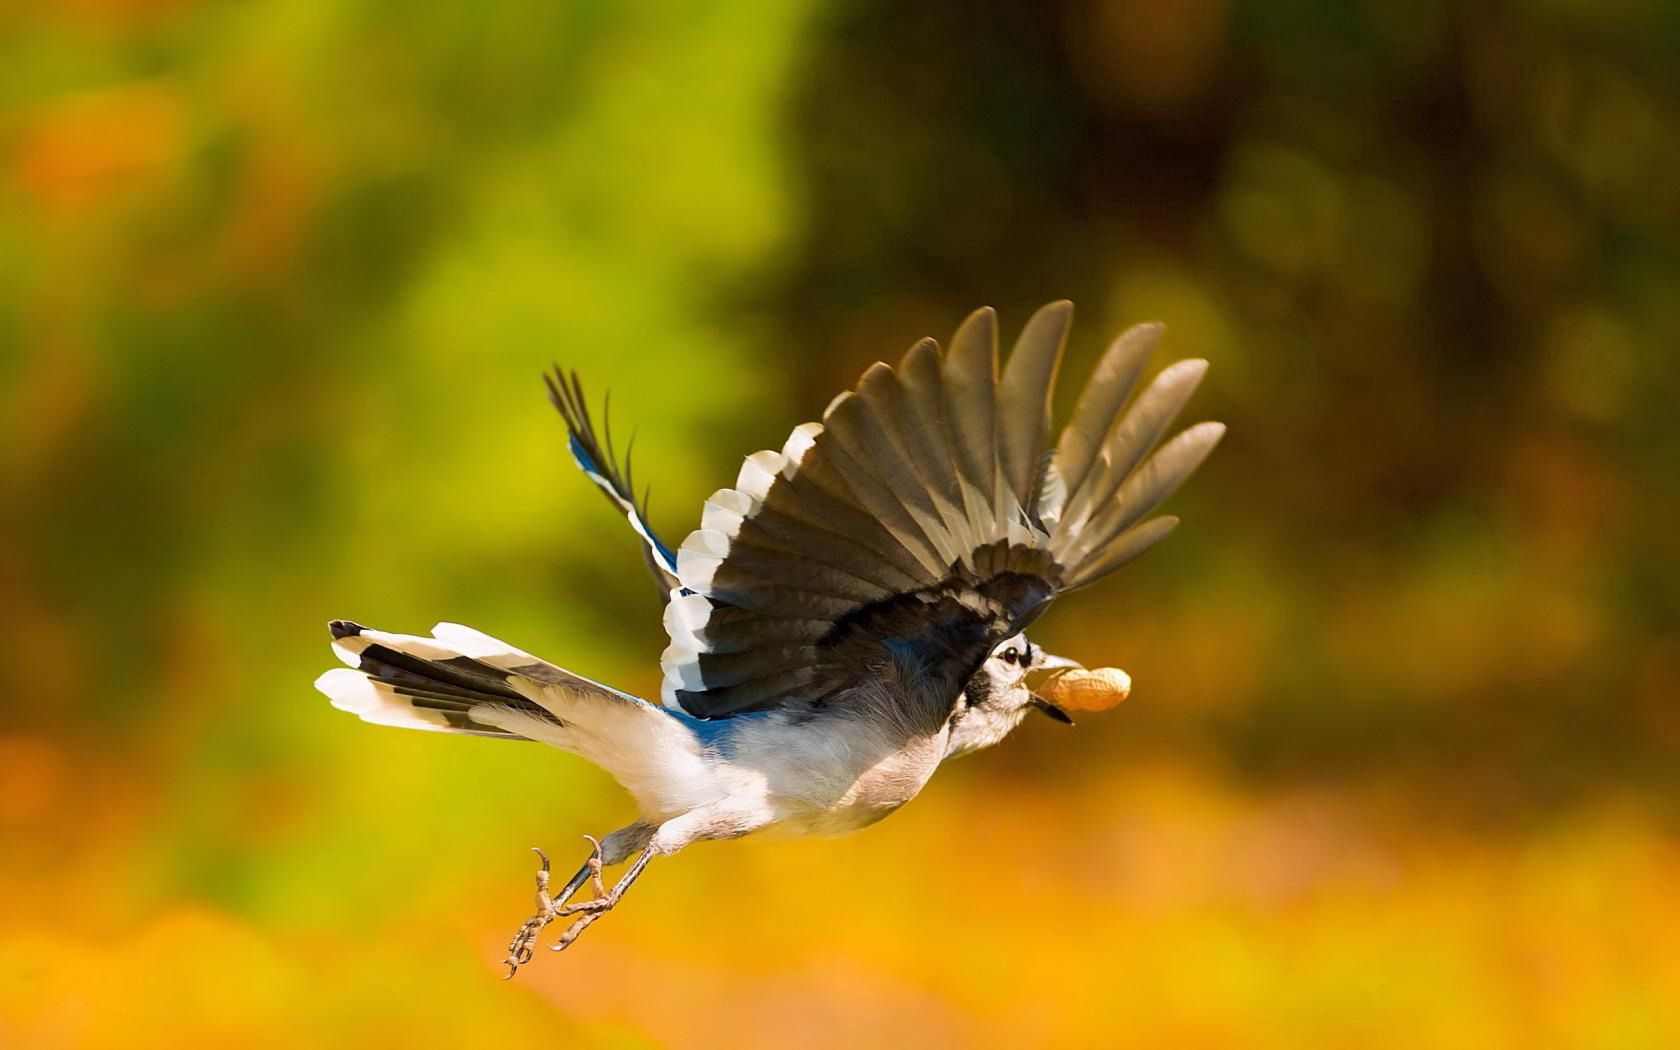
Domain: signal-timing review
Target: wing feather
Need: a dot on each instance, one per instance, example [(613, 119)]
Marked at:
[(1133, 434), (1111, 383), (1122, 549), (853, 443), (599, 463), (1159, 477), (926, 518), (1024, 399), (970, 383)]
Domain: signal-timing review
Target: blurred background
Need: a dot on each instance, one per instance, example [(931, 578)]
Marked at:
[(277, 280)]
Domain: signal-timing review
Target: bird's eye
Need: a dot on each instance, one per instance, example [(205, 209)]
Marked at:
[(1010, 655)]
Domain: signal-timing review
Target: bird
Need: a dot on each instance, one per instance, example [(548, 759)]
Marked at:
[(850, 613)]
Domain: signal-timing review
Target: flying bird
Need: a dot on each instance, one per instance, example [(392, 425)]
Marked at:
[(849, 614)]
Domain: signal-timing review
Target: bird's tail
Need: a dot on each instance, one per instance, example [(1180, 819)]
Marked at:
[(464, 681), (458, 681)]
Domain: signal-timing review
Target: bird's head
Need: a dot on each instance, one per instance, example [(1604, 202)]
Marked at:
[(999, 695)]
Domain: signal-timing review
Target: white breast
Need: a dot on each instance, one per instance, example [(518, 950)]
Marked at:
[(828, 775)]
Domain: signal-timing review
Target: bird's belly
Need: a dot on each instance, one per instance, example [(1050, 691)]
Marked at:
[(860, 797)]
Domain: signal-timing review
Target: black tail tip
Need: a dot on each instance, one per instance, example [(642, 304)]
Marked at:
[(344, 628)]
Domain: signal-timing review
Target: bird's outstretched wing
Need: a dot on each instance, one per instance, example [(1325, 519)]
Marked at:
[(596, 458), (924, 520)]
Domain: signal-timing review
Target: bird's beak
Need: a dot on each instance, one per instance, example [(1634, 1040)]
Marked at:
[(1052, 662), (1052, 710)]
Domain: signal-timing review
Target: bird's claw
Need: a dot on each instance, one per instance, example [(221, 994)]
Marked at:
[(524, 944)]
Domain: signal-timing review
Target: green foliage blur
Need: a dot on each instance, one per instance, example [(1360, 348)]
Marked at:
[(278, 280)]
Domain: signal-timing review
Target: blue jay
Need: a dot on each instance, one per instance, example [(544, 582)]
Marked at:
[(849, 614)]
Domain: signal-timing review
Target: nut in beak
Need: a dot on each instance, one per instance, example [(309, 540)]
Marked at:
[(1086, 689)]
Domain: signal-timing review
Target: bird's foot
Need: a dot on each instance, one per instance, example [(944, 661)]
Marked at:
[(524, 943), (603, 901)]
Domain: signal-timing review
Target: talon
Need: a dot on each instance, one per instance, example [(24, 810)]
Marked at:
[(549, 908), (566, 940), (542, 879), (594, 865)]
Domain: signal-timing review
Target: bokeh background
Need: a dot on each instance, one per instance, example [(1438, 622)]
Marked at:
[(277, 280)]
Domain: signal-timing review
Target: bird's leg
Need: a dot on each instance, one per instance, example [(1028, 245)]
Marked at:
[(661, 841), (591, 910), (549, 906)]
